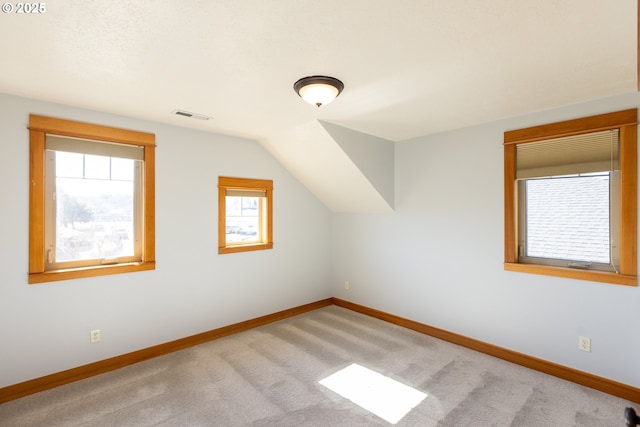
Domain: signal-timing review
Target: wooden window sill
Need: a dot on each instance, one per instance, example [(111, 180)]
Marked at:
[(93, 271), (244, 248), (570, 273)]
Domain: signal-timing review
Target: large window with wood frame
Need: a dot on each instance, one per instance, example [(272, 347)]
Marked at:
[(92, 200), (244, 214), (570, 198)]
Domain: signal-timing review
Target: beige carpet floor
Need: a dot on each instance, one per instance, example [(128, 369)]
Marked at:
[(270, 376)]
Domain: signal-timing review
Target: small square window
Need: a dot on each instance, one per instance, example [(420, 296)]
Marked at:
[(245, 214)]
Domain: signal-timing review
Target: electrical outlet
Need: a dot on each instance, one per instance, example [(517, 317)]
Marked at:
[(584, 343), (95, 336), (346, 284)]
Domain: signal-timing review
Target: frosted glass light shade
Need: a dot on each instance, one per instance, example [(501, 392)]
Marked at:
[(318, 90)]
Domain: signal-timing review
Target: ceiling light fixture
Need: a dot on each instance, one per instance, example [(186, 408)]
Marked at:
[(318, 90)]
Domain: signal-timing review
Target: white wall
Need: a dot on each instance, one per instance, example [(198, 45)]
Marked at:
[(438, 259), (45, 328), (373, 156)]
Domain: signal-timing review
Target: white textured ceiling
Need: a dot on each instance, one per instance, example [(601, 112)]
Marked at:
[(410, 67)]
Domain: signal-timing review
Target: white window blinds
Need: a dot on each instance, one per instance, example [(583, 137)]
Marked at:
[(97, 148), (230, 192), (578, 154)]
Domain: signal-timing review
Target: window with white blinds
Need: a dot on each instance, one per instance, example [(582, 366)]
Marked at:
[(92, 204), (568, 198), (571, 198)]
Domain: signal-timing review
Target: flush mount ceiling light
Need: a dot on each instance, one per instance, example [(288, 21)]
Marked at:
[(318, 90)]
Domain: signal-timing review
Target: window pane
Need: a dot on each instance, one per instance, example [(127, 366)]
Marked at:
[(94, 217), (97, 167), (568, 218), (122, 169), (243, 219), (70, 165)]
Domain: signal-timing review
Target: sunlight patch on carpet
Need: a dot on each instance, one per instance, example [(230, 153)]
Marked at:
[(378, 394)]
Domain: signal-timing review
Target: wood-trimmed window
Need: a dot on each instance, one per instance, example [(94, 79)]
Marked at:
[(623, 218), (245, 211), (92, 200)]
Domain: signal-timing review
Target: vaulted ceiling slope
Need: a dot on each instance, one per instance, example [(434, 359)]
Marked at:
[(410, 68), (348, 171)]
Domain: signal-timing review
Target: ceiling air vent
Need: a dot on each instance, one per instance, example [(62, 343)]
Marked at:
[(191, 115)]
